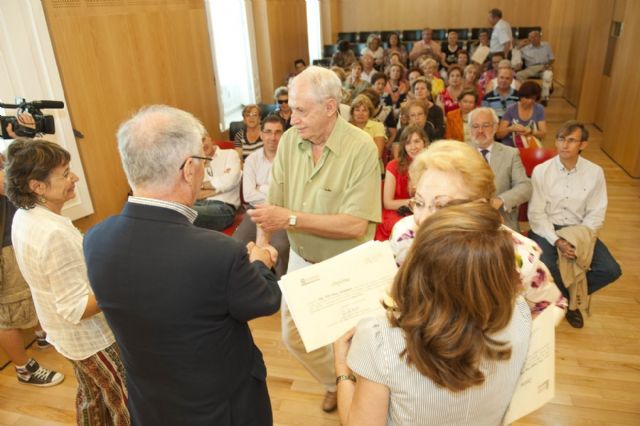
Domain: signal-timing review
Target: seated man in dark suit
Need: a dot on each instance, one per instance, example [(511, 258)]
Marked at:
[(178, 297)]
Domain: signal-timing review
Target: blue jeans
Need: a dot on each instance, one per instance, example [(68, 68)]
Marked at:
[(604, 268), (214, 214)]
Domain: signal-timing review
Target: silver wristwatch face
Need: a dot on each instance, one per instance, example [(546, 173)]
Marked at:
[(293, 219)]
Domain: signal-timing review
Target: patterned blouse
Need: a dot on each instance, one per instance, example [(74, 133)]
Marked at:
[(540, 290)]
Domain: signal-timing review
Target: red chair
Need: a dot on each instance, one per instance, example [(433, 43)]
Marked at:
[(225, 144), (531, 157)]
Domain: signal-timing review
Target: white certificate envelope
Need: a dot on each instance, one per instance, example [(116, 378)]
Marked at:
[(330, 297), (480, 55), (536, 385)]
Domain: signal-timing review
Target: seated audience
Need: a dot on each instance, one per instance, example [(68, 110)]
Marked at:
[(344, 56), (179, 297), (412, 76), (354, 82), (396, 88), (513, 187), (448, 99), (492, 72), (283, 111), (219, 195), (503, 95), (470, 81), (451, 347), (429, 68), (361, 113), (462, 58), (566, 211), (450, 50), (256, 177), (395, 193), (433, 119), (458, 120), (505, 63), (375, 49), (382, 113), (367, 67), (538, 60), (426, 47), (523, 124), (248, 140), (48, 250), (394, 46), (299, 65), (483, 40), (450, 171)]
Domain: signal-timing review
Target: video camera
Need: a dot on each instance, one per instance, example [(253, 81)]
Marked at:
[(41, 123)]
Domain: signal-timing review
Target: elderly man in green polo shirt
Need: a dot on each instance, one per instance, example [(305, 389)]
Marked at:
[(325, 191)]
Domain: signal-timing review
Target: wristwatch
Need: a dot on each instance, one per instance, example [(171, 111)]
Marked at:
[(293, 220)]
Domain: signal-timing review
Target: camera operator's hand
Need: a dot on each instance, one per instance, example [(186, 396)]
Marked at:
[(10, 131), (24, 119)]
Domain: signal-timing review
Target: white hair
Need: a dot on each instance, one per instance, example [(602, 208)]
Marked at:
[(155, 142), (324, 83), (474, 112)]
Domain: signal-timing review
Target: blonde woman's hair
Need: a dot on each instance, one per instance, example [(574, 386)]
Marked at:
[(456, 157)]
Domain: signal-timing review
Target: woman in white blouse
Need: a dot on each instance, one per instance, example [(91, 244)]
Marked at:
[(451, 348), (49, 253)]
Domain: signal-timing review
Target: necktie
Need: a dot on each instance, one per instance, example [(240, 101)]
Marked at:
[(484, 153)]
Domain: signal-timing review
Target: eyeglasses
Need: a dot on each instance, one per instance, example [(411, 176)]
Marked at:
[(283, 101), (207, 163), (562, 139), (251, 114), (484, 126), (438, 202)]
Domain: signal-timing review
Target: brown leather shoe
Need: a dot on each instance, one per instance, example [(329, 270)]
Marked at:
[(574, 318), (330, 402)]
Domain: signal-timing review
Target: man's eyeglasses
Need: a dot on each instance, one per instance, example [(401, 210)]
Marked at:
[(283, 101), (562, 139), (251, 114), (207, 163)]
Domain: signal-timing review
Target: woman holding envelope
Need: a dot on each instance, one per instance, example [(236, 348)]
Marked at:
[(452, 347)]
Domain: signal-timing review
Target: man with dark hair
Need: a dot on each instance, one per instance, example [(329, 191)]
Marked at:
[(256, 177), (501, 36), (566, 210)]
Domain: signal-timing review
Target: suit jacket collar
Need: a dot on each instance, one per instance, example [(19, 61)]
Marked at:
[(146, 212)]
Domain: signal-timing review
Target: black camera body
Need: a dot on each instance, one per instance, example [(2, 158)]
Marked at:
[(44, 124)]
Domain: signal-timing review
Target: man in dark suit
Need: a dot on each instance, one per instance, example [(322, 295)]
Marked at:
[(178, 297), (513, 187)]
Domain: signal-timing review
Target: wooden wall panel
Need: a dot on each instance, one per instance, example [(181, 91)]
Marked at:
[(288, 35), (620, 138), (115, 56), (373, 15), (281, 38)]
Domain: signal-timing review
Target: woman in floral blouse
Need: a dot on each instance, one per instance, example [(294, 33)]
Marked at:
[(450, 172)]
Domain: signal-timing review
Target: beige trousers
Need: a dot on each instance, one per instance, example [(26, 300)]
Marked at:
[(538, 71), (319, 362)]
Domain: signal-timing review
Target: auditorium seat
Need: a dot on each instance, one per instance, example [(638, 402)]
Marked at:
[(531, 157)]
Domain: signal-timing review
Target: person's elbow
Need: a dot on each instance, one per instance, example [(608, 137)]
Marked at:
[(359, 228)]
